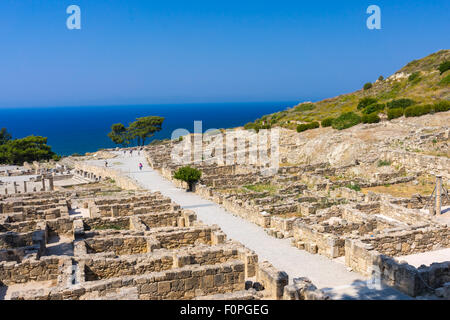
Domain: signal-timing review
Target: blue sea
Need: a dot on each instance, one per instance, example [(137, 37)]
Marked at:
[(84, 129)]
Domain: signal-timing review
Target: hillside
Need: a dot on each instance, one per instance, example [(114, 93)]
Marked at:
[(420, 81)]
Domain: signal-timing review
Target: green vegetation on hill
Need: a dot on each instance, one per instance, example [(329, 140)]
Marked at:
[(306, 126), (420, 82), (28, 149)]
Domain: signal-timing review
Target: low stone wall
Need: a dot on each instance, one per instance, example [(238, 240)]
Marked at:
[(31, 215), (408, 279), (120, 223), (408, 242), (419, 162), (30, 270), (183, 283), (19, 227), (106, 268), (272, 280), (303, 289), (15, 240), (120, 179), (176, 238), (313, 241), (61, 226), (402, 276), (163, 219), (126, 209), (123, 245)]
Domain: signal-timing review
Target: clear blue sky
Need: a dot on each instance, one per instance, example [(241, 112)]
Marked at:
[(139, 52)]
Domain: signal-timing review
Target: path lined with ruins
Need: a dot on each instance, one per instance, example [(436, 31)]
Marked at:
[(326, 274)]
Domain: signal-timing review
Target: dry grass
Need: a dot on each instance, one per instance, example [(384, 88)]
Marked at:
[(406, 190), (272, 189)]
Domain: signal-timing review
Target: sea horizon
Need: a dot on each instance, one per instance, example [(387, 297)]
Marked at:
[(81, 129)]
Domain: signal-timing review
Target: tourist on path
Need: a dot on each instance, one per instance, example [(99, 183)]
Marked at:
[(140, 166)]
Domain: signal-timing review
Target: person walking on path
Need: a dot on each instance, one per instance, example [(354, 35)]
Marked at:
[(140, 166), (106, 164)]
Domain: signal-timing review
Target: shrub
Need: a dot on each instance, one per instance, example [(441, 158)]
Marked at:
[(249, 126), (417, 111), (367, 86), (355, 187), (445, 81), (307, 126), (442, 106), (414, 77), (383, 163), (395, 113), (366, 102), (346, 120), (400, 103), (327, 122), (377, 107), (444, 66), (188, 174), (370, 118), (256, 126), (304, 107), (380, 78)]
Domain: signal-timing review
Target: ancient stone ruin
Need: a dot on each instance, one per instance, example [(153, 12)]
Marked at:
[(125, 245)]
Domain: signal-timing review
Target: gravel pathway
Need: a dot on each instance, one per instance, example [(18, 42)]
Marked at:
[(326, 274)]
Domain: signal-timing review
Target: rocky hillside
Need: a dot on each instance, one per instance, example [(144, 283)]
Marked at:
[(420, 81)]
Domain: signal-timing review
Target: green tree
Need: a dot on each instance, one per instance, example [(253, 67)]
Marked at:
[(444, 66), (145, 127), (364, 102), (370, 118), (327, 122), (307, 126), (367, 86), (119, 134), (29, 149), (400, 103), (395, 113), (4, 136), (376, 107), (188, 174), (346, 120)]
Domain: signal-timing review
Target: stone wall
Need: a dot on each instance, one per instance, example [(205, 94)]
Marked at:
[(30, 270), (406, 242), (105, 268), (181, 237), (272, 280), (184, 283), (419, 162), (122, 245), (410, 280), (303, 289), (402, 276), (121, 180)]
